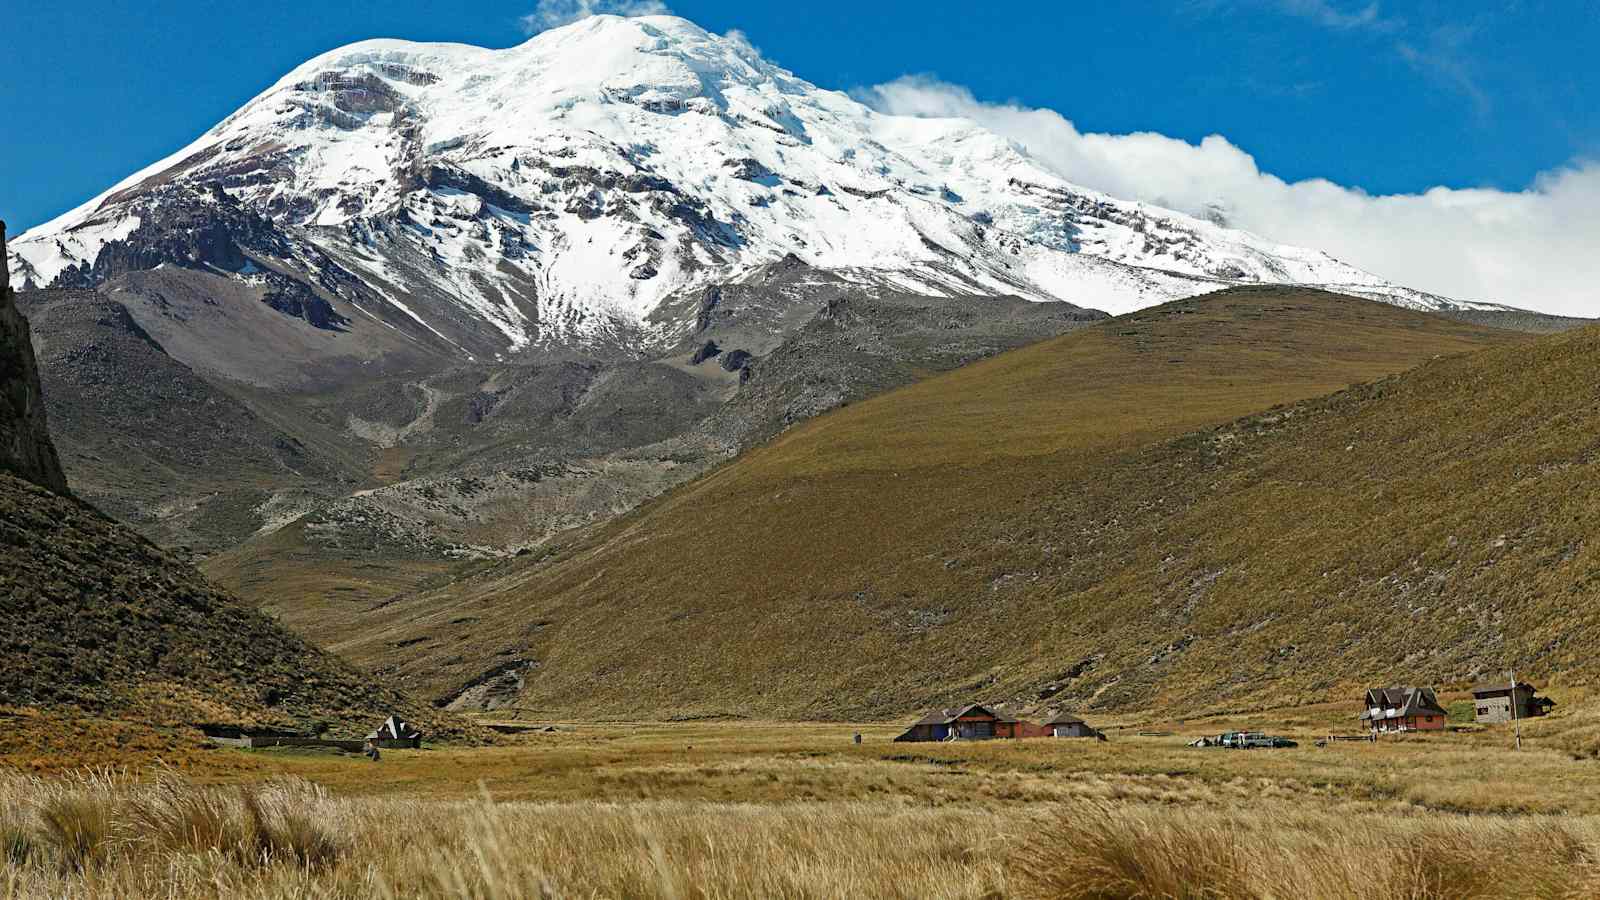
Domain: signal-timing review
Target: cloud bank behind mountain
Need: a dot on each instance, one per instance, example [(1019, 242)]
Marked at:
[(1533, 248)]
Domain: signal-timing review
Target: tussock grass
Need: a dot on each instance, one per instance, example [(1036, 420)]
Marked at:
[(1100, 851), (176, 839), (1122, 853), (280, 821), (75, 818), (172, 838)]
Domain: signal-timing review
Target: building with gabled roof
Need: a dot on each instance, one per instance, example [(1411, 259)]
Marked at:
[(1492, 702), (1065, 724), (973, 722), (1403, 708), (396, 732)]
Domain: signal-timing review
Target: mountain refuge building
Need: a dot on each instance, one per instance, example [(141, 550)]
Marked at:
[(1402, 708), (973, 722)]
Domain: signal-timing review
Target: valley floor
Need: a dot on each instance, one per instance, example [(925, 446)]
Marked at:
[(727, 809)]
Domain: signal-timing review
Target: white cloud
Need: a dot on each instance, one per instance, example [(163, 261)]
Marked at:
[(555, 13), (1532, 248), (1446, 52), (1445, 55), (1328, 15)]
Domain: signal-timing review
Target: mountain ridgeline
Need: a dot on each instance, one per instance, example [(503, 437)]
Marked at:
[(434, 304), (581, 189)]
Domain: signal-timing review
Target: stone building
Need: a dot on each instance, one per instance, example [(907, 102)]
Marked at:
[(1494, 702), (1068, 725)]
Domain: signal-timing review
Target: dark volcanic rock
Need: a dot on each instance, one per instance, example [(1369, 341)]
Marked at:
[(736, 360), (450, 177), (186, 231), (155, 443), (706, 351), (25, 447), (294, 299)]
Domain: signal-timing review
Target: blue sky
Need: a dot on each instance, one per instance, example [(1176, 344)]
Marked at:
[(1381, 97)]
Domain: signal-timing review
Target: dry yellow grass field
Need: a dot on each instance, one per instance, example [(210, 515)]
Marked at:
[(770, 809)]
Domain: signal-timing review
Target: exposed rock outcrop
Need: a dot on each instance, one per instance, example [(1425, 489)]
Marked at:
[(25, 448)]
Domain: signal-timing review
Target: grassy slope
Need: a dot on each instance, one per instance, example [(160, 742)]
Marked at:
[(95, 620), (913, 547)]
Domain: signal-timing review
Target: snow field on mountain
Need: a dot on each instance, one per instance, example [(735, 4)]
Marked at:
[(599, 169)]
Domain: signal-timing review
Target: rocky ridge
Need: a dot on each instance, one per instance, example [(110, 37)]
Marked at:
[(25, 447), (95, 620)]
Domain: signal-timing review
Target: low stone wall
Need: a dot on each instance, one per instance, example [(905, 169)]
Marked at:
[(348, 746), (234, 736), (249, 742)]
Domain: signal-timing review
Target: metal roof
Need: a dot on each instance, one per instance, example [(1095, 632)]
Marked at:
[(1490, 687), (1405, 701), (946, 716)]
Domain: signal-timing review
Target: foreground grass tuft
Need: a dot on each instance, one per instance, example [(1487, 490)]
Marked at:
[(76, 819), (1102, 852), (283, 839), (103, 836), (284, 821), (1152, 853)]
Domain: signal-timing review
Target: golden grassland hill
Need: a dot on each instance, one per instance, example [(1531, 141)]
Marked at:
[(96, 621), (1021, 528)]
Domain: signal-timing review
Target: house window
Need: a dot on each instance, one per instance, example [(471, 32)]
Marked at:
[(1429, 719)]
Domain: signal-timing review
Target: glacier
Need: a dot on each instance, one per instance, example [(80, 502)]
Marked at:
[(563, 190)]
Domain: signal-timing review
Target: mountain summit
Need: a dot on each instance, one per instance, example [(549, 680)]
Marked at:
[(563, 191)]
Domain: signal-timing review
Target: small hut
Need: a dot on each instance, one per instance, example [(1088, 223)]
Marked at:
[(1065, 725), (396, 732)]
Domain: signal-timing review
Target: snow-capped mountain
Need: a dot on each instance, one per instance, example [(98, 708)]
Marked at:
[(564, 189)]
